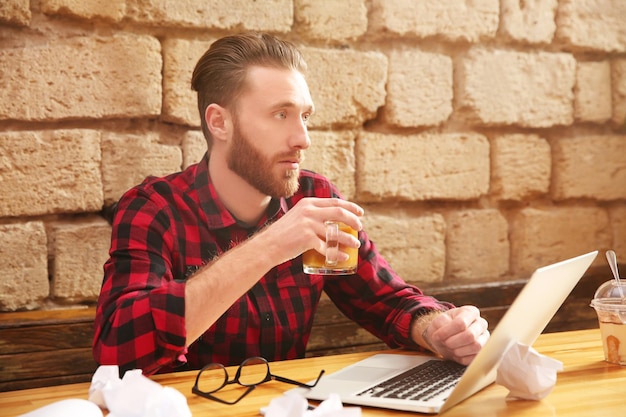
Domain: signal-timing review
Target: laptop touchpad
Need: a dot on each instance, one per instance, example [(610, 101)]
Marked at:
[(362, 373)]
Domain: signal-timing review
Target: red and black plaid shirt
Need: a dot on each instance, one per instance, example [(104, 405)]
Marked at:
[(166, 228)]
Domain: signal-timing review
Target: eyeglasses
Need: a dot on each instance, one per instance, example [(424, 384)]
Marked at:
[(251, 373)]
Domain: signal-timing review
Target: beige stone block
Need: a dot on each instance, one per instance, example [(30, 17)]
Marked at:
[(593, 92), (347, 86), (80, 250), (128, 159), (455, 20), (590, 167), (114, 10), (412, 243), (236, 15), (477, 244), (24, 266), (521, 166), (82, 77), (180, 102), (422, 167), (50, 172), (501, 87), (592, 24), (618, 76), (331, 19), (332, 155), (530, 21), (419, 90), (194, 147), (541, 237), (15, 12), (618, 226)]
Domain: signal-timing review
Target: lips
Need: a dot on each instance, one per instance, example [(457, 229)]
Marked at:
[(294, 160), (293, 165)]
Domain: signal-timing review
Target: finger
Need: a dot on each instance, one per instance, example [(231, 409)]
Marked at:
[(465, 360), (345, 237), (315, 211), (339, 210), (468, 336), (349, 239), (466, 354), (454, 321), (468, 342), (458, 329), (340, 203), (466, 312)]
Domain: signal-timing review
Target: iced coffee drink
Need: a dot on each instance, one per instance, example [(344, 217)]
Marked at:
[(610, 305)]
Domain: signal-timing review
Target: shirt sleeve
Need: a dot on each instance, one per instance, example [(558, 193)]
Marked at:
[(377, 298), (140, 315)]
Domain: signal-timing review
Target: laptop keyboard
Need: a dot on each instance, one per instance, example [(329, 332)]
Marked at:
[(422, 382)]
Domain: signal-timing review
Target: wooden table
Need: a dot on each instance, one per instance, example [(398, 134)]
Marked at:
[(588, 386)]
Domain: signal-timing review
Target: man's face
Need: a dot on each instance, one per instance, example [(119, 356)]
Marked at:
[(269, 131), (260, 170)]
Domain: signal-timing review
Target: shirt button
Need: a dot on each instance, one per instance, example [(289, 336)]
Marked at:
[(268, 317)]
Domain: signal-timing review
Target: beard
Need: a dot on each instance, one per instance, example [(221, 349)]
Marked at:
[(259, 170)]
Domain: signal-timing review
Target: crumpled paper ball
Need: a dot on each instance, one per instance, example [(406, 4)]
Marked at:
[(135, 395), (295, 405), (527, 374)]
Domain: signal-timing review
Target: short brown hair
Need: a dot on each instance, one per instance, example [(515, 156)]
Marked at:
[(220, 74)]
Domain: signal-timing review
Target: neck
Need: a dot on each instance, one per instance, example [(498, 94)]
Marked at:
[(242, 200)]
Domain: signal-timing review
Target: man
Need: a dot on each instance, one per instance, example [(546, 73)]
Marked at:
[(205, 265)]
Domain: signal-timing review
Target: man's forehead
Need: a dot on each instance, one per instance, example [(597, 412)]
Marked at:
[(278, 85)]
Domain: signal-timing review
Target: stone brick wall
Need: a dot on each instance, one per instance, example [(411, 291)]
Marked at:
[(484, 138)]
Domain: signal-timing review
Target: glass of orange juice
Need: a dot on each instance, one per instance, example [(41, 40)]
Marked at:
[(315, 263)]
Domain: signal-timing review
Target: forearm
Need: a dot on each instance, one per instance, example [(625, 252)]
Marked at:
[(214, 288)]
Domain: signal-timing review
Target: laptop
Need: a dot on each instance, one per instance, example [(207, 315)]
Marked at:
[(523, 322)]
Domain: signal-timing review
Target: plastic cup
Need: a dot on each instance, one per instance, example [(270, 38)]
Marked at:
[(609, 302)]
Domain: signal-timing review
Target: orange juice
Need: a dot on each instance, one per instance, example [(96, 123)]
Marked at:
[(315, 263)]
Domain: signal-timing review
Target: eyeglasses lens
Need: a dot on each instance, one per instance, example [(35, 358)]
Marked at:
[(253, 371), (212, 378)]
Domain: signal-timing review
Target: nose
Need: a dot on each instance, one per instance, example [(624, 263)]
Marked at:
[(300, 136)]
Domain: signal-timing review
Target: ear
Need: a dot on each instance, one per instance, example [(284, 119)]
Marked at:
[(218, 121)]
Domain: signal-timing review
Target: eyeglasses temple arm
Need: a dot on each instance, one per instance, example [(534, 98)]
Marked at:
[(210, 396), (300, 384)]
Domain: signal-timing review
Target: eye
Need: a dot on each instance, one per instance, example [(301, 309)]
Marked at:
[(281, 115), (306, 117)]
